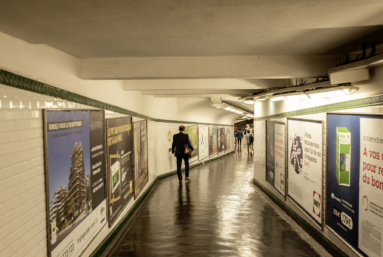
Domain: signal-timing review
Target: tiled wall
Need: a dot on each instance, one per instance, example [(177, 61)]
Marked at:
[(260, 167), (23, 228)]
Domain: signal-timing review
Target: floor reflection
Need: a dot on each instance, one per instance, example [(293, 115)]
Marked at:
[(219, 213)]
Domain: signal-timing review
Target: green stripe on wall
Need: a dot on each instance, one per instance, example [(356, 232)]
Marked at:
[(20, 82), (352, 104)]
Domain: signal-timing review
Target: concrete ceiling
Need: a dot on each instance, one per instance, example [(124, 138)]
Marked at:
[(172, 48), (152, 28)]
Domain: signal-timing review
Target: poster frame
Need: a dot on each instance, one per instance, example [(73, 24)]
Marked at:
[(227, 136), (133, 164), (214, 154), (321, 225), (207, 126), (196, 159), (46, 171), (222, 152), (284, 196), (325, 221), (107, 169)]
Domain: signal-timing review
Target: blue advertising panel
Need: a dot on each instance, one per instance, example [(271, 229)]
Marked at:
[(354, 158)]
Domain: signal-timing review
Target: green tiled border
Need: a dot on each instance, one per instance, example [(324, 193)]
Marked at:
[(318, 236), (357, 103), (17, 81), (107, 240)]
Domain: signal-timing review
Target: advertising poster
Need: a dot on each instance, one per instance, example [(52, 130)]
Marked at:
[(221, 140), (227, 138), (75, 175), (305, 166), (213, 140), (141, 171), (355, 181), (275, 155), (192, 131), (120, 165), (203, 142)]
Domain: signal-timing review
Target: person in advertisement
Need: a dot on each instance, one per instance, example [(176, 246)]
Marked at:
[(178, 149)]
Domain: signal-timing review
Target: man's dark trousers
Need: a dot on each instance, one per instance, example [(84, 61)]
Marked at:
[(179, 164)]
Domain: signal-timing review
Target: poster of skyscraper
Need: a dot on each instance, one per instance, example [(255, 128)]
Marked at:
[(192, 131), (221, 140), (141, 175), (203, 134), (227, 139), (75, 177), (120, 173), (212, 140)]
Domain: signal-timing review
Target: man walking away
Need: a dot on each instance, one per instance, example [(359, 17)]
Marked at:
[(250, 140), (240, 136), (178, 149)]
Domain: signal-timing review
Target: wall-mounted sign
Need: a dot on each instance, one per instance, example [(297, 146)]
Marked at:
[(355, 180), (305, 166), (120, 165), (141, 171), (75, 177), (203, 134), (275, 155)]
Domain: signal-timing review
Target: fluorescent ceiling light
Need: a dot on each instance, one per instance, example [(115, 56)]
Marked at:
[(262, 99), (296, 96), (332, 92), (350, 90), (249, 102), (227, 108), (327, 94), (278, 98)]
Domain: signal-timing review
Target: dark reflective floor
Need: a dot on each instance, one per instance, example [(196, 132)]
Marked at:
[(220, 213)]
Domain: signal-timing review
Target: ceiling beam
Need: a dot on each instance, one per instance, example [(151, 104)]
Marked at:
[(270, 66), (221, 84), (200, 92)]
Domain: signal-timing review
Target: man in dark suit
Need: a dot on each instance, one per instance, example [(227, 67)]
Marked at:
[(178, 149)]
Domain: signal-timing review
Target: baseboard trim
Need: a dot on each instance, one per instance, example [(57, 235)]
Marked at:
[(111, 239), (319, 237)]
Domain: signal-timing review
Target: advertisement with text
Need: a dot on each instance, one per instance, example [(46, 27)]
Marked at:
[(203, 142), (141, 171), (213, 140), (305, 166), (221, 140), (192, 131), (355, 180), (120, 165), (275, 155), (75, 169)]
